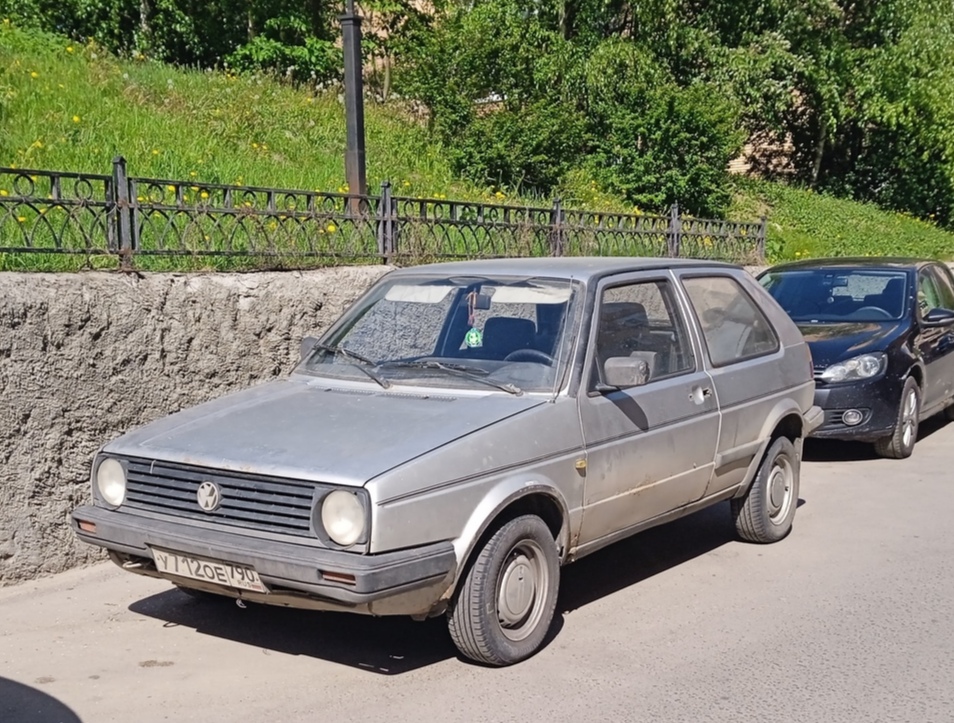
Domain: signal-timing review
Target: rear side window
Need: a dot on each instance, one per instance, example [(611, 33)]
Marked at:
[(734, 327)]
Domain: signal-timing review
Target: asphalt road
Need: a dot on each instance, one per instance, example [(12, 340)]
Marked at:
[(848, 619)]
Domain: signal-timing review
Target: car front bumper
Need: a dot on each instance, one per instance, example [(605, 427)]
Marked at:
[(877, 400), (411, 581)]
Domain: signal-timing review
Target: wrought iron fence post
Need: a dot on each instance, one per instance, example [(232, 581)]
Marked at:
[(763, 232), (557, 220), (121, 228), (387, 243), (674, 232)]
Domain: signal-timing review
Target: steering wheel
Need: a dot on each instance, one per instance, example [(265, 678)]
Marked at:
[(533, 355), (867, 309)]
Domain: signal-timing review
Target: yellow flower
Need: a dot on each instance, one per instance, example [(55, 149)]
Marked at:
[(170, 188), (206, 238), (498, 194), (21, 219), (255, 145), (69, 48), (42, 210), (34, 74), (140, 198), (797, 254), (192, 174), (76, 119), (155, 152), (194, 188), (2, 192), (331, 228), (204, 194)]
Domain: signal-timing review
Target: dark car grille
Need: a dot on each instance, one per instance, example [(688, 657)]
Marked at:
[(259, 503)]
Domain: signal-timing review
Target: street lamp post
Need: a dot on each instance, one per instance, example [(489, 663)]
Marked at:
[(354, 106)]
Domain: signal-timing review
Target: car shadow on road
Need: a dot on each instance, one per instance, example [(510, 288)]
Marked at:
[(388, 646), (392, 646), (649, 553), (19, 702), (834, 450)]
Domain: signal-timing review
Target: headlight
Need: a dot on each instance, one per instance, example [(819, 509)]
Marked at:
[(859, 367), (342, 516), (111, 481)]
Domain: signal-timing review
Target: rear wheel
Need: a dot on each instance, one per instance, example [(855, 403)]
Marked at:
[(505, 604), (901, 443), (766, 512)]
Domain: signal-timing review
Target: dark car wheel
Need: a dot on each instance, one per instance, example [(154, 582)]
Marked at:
[(901, 443), (767, 511), (505, 605)]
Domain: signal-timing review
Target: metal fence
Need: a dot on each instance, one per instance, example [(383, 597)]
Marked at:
[(53, 212)]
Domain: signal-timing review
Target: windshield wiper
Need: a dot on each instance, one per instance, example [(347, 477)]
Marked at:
[(458, 370), (365, 365)]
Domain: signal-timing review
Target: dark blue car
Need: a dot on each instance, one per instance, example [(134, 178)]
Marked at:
[(881, 332)]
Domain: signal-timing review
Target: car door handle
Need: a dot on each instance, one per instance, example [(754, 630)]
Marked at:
[(698, 395)]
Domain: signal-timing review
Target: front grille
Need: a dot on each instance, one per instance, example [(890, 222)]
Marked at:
[(260, 503)]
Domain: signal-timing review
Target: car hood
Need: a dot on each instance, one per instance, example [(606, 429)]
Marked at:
[(832, 343), (302, 428)]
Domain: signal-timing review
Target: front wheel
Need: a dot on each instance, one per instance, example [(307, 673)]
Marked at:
[(766, 512), (900, 444), (505, 604)]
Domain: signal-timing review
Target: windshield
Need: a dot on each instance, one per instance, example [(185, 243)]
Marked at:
[(838, 295), (509, 333)]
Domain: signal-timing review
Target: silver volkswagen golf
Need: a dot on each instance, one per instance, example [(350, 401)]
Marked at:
[(463, 431)]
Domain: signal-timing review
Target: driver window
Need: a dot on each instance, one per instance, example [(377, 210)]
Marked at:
[(928, 297), (945, 292), (641, 320)]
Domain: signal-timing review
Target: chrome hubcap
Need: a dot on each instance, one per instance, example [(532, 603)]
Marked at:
[(909, 418), (521, 590), (780, 487)]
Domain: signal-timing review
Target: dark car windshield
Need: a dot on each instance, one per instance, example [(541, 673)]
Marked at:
[(509, 333), (838, 295)]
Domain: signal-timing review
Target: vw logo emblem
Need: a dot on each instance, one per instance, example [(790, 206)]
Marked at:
[(209, 496)]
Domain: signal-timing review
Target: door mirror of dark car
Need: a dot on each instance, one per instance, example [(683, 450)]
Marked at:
[(622, 372), (307, 344), (939, 317)]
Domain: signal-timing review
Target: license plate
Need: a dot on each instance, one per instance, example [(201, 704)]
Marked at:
[(219, 573)]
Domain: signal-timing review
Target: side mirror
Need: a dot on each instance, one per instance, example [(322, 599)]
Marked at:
[(622, 372), (939, 317), (307, 344)]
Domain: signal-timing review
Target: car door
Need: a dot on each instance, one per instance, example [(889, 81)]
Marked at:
[(744, 358), (649, 448), (935, 341)]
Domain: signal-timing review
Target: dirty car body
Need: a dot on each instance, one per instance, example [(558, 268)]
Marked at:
[(881, 332), (462, 431)]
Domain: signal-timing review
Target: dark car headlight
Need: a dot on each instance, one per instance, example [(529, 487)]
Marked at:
[(865, 366)]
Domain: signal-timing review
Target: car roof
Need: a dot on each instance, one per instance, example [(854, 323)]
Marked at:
[(861, 262), (583, 268)]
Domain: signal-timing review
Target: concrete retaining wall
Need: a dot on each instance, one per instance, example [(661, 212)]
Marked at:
[(85, 357)]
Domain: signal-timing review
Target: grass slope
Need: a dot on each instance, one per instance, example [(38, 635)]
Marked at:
[(802, 224), (67, 106)]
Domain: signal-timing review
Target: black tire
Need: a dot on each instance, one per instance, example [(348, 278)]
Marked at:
[(481, 627), (766, 512), (901, 443)]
